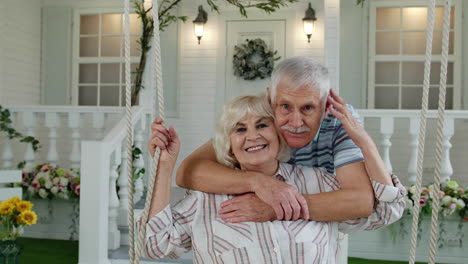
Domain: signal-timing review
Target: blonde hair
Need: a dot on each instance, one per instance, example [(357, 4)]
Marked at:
[(234, 111)]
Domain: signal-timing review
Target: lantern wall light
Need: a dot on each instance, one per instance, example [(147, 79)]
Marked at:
[(308, 22), (199, 23)]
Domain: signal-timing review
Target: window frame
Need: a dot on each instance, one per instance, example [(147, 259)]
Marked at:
[(77, 60), (456, 58)]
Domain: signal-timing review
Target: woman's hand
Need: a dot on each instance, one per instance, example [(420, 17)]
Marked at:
[(165, 139), (337, 106)]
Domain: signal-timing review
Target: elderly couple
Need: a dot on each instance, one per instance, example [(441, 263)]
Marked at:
[(284, 173)]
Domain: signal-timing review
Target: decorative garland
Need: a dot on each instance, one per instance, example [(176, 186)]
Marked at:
[(253, 59)]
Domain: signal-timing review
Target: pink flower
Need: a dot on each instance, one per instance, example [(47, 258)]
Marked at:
[(452, 206), (422, 201), (35, 183), (77, 190), (56, 181), (424, 191), (465, 219), (441, 194), (45, 168)]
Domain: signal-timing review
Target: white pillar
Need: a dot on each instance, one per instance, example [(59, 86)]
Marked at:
[(52, 121), (446, 169), (29, 122), (7, 154), (413, 161), (386, 129), (114, 233), (74, 125), (94, 203)]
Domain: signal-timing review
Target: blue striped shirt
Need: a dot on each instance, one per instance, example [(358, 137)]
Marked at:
[(331, 148)]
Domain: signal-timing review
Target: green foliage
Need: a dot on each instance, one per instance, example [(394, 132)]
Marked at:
[(6, 127), (360, 2), (269, 6), (253, 60)]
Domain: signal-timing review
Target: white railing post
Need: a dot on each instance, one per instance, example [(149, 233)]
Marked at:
[(122, 219), (7, 155), (386, 129), (446, 168), (74, 125), (413, 161), (98, 124), (52, 122), (114, 233), (94, 203), (29, 122), (139, 163)]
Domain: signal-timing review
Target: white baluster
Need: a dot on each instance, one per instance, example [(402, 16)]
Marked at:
[(139, 164), (114, 233), (446, 168), (29, 122), (122, 219), (7, 155), (52, 121), (98, 124), (413, 161), (74, 125), (386, 129)]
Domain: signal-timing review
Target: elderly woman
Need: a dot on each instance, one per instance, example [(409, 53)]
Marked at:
[(246, 139)]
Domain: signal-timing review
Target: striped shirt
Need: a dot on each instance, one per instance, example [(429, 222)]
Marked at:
[(194, 224), (331, 148)]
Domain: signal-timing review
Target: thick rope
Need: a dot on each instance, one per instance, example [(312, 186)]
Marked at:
[(422, 129), (128, 116), (156, 77), (440, 134)]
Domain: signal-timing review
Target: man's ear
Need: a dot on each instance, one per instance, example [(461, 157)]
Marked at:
[(268, 95)]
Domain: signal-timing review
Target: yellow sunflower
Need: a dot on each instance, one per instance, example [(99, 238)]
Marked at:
[(23, 206), (28, 217), (13, 200), (6, 208)]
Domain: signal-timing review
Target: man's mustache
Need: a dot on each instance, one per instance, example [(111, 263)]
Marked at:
[(295, 130)]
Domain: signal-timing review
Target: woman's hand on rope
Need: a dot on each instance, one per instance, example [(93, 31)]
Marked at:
[(165, 139), (337, 106)]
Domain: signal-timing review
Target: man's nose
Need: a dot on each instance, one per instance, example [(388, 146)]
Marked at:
[(296, 119)]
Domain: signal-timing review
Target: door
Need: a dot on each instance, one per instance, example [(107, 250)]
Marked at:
[(273, 32)]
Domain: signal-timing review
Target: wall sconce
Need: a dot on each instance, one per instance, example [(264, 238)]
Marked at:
[(199, 23), (308, 21)]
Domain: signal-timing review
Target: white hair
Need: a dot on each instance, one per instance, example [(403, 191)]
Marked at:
[(298, 72), (233, 112)]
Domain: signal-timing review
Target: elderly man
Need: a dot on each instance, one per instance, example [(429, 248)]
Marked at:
[(321, 132)]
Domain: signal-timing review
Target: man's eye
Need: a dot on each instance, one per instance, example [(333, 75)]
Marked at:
[(240, 129), (308, 108), (285, 106)]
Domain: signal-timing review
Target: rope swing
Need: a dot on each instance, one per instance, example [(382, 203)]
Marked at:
[(156, 81), (422, 131)]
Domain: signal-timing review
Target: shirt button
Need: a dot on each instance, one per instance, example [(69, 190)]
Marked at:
[(275, 250)]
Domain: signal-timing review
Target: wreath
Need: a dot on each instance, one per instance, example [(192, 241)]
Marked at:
[(253, 59)]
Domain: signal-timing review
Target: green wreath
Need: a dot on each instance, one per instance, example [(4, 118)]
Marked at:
[(253, 60)]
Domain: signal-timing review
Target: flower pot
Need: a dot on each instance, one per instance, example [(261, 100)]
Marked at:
[(9, 252)]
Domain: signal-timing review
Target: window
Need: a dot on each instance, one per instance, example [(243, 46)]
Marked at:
[(99, 67), (397, 44)]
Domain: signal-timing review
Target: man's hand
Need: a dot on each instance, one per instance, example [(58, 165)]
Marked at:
[(246, 208), (287, 203)]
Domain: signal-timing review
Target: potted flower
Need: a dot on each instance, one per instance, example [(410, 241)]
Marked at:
[(14, 215)]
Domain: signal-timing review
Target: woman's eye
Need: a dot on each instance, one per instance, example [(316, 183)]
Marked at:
[(240, 129), (262, 125)]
